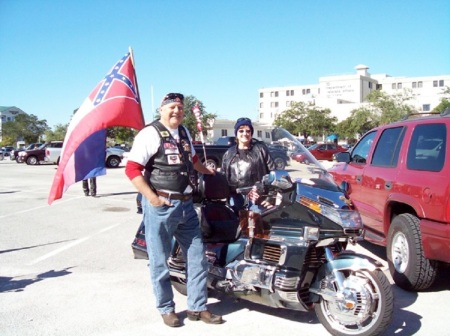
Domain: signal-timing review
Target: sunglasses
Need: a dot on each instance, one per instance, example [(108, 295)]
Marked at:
[(172, 98), (244, 119), (245, 131)]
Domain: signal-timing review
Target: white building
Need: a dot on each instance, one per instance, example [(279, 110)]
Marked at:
[(8, 113), (341, 94), (344, 93)]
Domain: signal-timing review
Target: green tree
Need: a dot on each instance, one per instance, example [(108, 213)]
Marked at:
[(389, 108), (26, 127), (359, 122), (306, 119), (57, 134), (445, 101), (320, 121), (189, 118), (294, 119), (121, 134)]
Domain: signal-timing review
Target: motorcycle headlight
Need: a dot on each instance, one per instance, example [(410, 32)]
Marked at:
[(311, 233), (348, 219)]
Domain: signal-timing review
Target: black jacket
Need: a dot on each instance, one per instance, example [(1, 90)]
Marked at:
[(243, 168)]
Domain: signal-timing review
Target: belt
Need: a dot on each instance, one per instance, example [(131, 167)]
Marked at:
[(175, 196)]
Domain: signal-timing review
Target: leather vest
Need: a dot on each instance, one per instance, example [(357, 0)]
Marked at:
[(171, 168)]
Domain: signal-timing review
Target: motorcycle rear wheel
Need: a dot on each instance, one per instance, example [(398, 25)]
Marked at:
[(370, 305)]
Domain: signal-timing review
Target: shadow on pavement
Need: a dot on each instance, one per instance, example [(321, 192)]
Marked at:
[(8, 284)]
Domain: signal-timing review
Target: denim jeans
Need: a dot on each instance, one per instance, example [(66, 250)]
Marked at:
[(161, 225)]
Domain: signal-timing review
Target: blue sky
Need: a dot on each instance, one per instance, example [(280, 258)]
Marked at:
[(53, 53)]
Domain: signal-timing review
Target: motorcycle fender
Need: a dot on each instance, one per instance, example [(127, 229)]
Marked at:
[(347, 260)]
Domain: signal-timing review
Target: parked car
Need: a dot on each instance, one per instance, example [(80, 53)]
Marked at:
[(14, 154), (319, 151), (114, 157), (226, 141), (398, 177), (7, 150), (37, 155)]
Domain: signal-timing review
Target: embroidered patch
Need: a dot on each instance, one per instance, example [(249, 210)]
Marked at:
[(172, 151), (164, 134), (173, 159), (169, 145)]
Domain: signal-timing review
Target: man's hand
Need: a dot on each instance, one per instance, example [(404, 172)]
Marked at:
[(159, 201)]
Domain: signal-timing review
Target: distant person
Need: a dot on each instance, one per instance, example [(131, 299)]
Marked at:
[(92, 189), (139, 203), (245, 163)]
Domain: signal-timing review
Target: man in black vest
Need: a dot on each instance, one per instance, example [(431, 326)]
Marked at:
[(164, 151)]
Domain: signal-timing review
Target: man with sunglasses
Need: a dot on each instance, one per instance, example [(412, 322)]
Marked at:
[(245, 163), (164, 151)]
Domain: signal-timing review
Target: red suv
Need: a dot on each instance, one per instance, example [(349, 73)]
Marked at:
[(398, 176)]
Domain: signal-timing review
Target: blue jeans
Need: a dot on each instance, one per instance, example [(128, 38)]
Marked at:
[(161, 225)]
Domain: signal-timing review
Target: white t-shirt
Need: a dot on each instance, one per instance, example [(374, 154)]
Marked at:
[(147, 141)]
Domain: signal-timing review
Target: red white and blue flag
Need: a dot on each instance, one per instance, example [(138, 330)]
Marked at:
[(114, 102)]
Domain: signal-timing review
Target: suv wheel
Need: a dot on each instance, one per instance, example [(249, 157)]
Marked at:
[(113, 161), (407, 264), (32, 160)]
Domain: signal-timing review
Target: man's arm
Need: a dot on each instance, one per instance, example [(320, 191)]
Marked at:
[(134, 172)]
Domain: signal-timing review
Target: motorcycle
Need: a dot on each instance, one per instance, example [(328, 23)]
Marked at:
[(292, 254)]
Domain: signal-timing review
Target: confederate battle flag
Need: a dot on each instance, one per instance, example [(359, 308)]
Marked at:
[(114, 102)]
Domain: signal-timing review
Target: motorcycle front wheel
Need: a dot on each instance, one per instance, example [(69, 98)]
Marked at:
[(366, 307)]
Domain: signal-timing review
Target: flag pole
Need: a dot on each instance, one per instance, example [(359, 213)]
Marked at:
[(137, 86)]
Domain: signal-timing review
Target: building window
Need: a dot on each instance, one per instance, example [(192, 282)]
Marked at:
[(224, 132), (261, 105), (267, 135), (419, 84), (426, 107), (261, 95), (441, 83), (289, 93), (435, 83), (399, 85), (274, 94), (308, 91), (414, 85), (370, 85), (261, 116), (288, 104), (259, 134), (394, 86)]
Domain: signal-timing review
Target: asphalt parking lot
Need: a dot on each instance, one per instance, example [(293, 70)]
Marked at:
[(68, 269)]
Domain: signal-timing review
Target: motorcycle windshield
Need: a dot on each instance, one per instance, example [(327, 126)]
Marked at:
[(303, 166)]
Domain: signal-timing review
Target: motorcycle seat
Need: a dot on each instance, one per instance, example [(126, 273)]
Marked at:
[(219, 223)]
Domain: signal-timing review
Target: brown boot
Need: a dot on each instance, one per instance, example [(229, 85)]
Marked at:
[(171, 319), (205, 316)]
